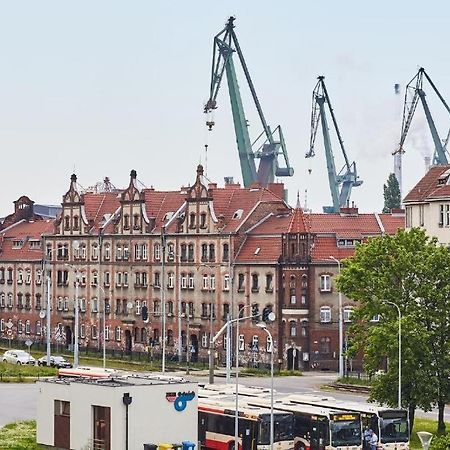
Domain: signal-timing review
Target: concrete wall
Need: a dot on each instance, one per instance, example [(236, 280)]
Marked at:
[(152, 418)]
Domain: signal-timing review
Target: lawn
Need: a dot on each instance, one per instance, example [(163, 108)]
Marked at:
[(19, 436), (21, 373), (423, 425)]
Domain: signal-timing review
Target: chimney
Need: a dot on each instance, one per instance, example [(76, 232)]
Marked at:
[(277, 189), (349, 210), (427, 161), (228, 180), (212, 185)]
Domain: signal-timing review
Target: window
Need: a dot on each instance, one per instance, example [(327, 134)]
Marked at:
[(2, 275), (66, 223), (10, 300), (94, 252), (269, 282), (212, 252), (183, 252), (107, 331), (324, 346), (191, 252), (125, 279), (118, 334), (126, 252), (292, 329), (241, 281), (144, 251), (212, 282), (126, 221), (241, 342), (106, 279), (27, 327), (38, 301), (157, 252), (325, 283), (157, 280), (170, 252), (82, 304), (191, 281), (292, 296), (205, 285), (169, 337), (421, 216), (94, 281), (204, 252), (20, 276), (204, 310), (82, 331), (144, 279), (62, 277), (107, 252), (325, 314), (170, 308), (28, 277), (226, 282), (191, 309), (183, 281), (94, 305), (225, 253), (137, 304), (62, 251), (171, 280), (203, 220), (2, 300), (192, 220), (205, 340), (156, 305), (119, 279), (75, 222), (226, 311), (255, 282), (136, 222), (38, 328), (38, 276), (94, 332), (348, 310), (137, 252), (118, 252)]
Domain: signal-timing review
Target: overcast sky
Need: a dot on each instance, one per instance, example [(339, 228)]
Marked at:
[(102, 87)]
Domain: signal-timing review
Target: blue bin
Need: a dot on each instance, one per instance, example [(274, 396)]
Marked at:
[(187, 445)]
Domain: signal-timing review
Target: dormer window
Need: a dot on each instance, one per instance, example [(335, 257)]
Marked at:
[(136, 222), (203, 220), (192, 220), (66, 223), (238, 214), (126, 222), (76, 223)]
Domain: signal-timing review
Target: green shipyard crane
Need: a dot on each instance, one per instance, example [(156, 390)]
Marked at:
[(269, 145), (347, 178), (414, 92)]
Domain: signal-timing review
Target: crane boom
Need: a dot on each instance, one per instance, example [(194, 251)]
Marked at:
[(347, 178), (414, 93), (269, 145)]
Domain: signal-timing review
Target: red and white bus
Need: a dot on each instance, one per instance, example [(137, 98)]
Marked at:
[(87, 372), (216, 426)]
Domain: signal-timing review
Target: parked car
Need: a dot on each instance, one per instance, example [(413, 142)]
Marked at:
[(55, 361), (18, 357)]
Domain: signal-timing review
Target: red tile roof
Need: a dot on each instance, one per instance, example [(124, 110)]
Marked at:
[(297, 224), (325, 246), (428, 186), (23, 231), (269, 250), (392, 222)]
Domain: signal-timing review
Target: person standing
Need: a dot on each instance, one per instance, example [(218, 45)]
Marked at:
[(373, 440)]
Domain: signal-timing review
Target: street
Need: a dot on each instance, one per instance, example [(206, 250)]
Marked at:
[(18, 400)]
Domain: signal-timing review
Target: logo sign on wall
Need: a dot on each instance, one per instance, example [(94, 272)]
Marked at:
[(180, 399)]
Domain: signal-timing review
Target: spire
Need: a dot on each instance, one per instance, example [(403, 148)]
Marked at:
[(297, 223), (298, 199)]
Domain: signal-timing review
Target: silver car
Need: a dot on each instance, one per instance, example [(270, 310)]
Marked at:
[(18, 357)]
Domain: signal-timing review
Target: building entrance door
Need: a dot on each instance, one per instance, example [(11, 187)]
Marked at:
[(61, 424), (128, 341), (194, 348), (293, 356), (102, 428), (68, 333)]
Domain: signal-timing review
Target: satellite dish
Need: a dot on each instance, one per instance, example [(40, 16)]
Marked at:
[(41, 313), (271, 317), (130, 305), (75, 244)]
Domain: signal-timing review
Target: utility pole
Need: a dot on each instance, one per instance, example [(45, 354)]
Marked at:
[(163, 299)]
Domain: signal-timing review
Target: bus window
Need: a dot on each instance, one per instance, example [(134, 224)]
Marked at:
[(345, 432), (283, 428), (394, 430), (319, 434)]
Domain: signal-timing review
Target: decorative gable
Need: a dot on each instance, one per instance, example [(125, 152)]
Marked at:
[(133, 217), (199, 216), (72, 220)]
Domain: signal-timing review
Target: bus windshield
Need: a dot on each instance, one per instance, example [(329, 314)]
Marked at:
[(345, 432), (394, 429), (282, 428)]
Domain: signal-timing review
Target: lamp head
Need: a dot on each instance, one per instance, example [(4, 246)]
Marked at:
[(262, 325)]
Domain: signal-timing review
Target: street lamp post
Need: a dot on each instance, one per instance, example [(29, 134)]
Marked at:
[(399, 351), (163, 300), (341, 325), (104, 322), (263, 325), (47, 337), (77, 318)]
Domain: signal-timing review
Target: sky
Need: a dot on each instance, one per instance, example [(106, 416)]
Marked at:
[(104, 87)]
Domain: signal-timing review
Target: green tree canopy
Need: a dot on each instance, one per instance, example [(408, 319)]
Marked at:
[(410, 270), (391, 192)]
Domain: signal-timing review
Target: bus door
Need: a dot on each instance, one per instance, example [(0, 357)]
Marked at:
[(319, 433), (247, 432)]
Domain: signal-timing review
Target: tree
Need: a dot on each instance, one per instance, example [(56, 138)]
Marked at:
[(410, 270), (391, 192)]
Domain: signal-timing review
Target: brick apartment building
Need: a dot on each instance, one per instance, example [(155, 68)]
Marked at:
[(206, 250)]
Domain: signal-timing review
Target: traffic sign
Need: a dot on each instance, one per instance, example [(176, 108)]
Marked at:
[(9, 325), (9, 332), (42, 314), (28, 342)]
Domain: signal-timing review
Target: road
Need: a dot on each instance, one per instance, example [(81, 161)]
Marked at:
[(18, 401)]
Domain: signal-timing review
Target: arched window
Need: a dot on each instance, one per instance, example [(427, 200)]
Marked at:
[(76, 223), (169, 337), (144, 335), (203, 220), (126, 221), (66, 223), (226, 253), (192, 220), (212, 252), (292, 329)]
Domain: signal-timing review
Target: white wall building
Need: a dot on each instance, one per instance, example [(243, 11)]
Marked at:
[(80, 413), (427, 205)]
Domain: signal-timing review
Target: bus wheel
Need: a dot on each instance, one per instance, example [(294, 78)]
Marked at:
[(231, 446)]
